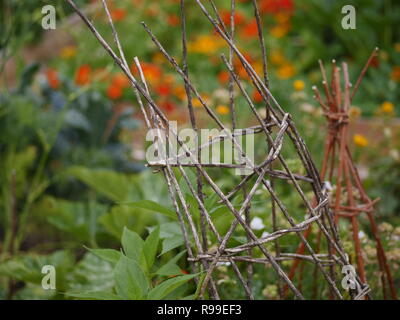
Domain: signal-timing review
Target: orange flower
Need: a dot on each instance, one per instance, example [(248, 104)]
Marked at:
[(173, 20), (286, 71), (151, 72), (251, 30), (222, 110), (280, 30), (299, 85), (395, 76), (114, 92), (257, 97), (226, 17), (168, 106), (118, 14), (360, 140), (387, 108), (205, 44), (223, 77), (120, 80), (163, 90), (82, 76), (276, 6), (180, 92), (52, 78)]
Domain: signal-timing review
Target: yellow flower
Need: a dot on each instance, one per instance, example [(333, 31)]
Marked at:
[(158, 58), (68, 52), (387, 107), (355, 112), (196, 102), (286, 71), (280, 30), (282, 17), (360, 140), (277, 57), (180, 92), (397, 47), (223, 110), (299, 85), (205, 44)]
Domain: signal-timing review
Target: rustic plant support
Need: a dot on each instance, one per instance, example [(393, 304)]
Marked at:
[(348, 199), (203, 255)]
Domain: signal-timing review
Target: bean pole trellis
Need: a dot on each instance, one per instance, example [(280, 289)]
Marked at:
[(349, 198), (203, 255)]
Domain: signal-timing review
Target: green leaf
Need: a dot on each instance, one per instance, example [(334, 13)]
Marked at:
[(172, 243), (154, 207), (130, 280), (171, 268), (113, 185), (94, 295), (109, 255), (132, 244), (124, 216), (150, 247), (91, 274), (163, 289)]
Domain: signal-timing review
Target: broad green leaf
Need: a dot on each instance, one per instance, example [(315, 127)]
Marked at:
[(109, 255), (153, 206), (172, 243), (150, 247), (130, 280), (91, 274), (122, 216), (94, 295), (132, 244), (164, 288), (171, 268), (113, 185)]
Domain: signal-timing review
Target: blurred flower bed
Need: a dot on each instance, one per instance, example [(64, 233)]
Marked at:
[(72, 136)]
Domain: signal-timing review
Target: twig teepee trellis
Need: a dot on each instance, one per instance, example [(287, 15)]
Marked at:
[(349, 199), (275, 127)]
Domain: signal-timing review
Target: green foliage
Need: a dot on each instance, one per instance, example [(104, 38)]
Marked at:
[(136, 275)]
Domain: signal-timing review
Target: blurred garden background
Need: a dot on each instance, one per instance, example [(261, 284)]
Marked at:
[(72, 137)]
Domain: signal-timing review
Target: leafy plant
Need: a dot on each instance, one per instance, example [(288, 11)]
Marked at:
[(136, 274)]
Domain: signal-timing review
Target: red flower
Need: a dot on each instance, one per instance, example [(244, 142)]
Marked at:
[(168, 106), (257, 97), (251, 30), (163, 90), (226, 17), (375, 62), (275, 6), (118, 14), (52, 78), (114, 92), (82, 76), (223, 77), (173, 20), (120, 80), (151, 71)]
